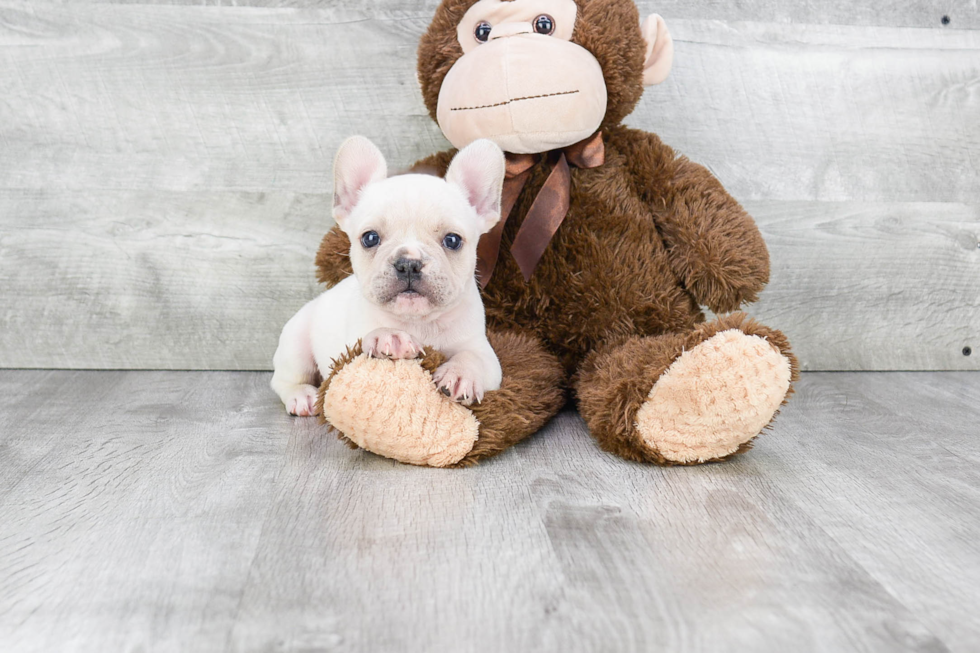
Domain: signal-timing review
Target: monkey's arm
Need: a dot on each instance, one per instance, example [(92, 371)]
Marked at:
[(714, 245), (333, 257)]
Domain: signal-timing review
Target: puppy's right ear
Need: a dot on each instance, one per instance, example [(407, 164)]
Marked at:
[(358, 163)]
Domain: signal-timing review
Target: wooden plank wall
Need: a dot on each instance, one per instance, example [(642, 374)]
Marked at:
[(164, 167)]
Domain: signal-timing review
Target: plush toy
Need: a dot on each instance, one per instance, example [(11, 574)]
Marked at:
[(610, 243)]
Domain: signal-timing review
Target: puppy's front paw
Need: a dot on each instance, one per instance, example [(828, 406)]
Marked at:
[(460, 382), (390, 343), (301, 401)]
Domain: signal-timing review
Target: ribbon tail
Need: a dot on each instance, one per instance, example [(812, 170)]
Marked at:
[(543, 218), (488, 248)]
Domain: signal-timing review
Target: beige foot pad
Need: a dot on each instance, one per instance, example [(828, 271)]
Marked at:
[(714, 398), (404, 417)]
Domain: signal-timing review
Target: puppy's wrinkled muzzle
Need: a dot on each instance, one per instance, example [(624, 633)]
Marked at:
[(411, 287)]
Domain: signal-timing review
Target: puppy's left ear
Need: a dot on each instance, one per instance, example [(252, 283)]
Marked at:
[(478, 171), (358, 163)]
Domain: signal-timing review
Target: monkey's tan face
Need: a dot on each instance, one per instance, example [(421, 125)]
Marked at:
[(521, 82)]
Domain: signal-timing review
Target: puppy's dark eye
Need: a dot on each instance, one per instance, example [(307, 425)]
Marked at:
[(482, 31), (544, 24), (452, 241), (370, 239)]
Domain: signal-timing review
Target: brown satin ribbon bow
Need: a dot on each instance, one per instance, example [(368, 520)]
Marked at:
[(547, 211)]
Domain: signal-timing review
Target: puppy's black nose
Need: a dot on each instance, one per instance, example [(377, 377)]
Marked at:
[(408, 269)]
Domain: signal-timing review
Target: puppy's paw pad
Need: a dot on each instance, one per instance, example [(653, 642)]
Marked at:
[(301, 401), (390, 343), (459, 383)]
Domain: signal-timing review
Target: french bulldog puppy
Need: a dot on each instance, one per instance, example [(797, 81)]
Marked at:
[(413, 251)]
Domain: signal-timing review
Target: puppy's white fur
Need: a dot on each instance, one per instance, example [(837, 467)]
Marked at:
[(398, 314)]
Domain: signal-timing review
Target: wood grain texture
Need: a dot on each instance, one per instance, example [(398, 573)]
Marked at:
[(187, 98), (165, 171), (134, 494), (873, 286), (886, 477), (893, 13), (206, 280), (190, 98), (154, 279), (187, 512)]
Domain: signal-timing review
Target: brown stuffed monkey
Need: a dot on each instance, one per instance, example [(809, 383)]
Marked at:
[(593, 281)]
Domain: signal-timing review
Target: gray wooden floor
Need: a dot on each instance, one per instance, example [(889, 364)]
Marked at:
[(184, 511)]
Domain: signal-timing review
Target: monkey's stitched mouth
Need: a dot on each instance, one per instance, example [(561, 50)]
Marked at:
[(517, 99)]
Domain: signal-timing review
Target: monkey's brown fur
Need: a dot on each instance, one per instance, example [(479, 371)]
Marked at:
[(649, 238)]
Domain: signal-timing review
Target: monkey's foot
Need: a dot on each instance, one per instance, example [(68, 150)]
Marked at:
[(686, 398), (714, 398), (394, 408)]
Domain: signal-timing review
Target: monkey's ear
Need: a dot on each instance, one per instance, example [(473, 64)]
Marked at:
[(660, 50), (358, 163), (478, 171)]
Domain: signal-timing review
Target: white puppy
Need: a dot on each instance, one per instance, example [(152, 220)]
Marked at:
[(413, 251)]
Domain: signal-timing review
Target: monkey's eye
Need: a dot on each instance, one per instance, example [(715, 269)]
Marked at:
[(544, 24), (452, 241), (370, 239), (482, 32)]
